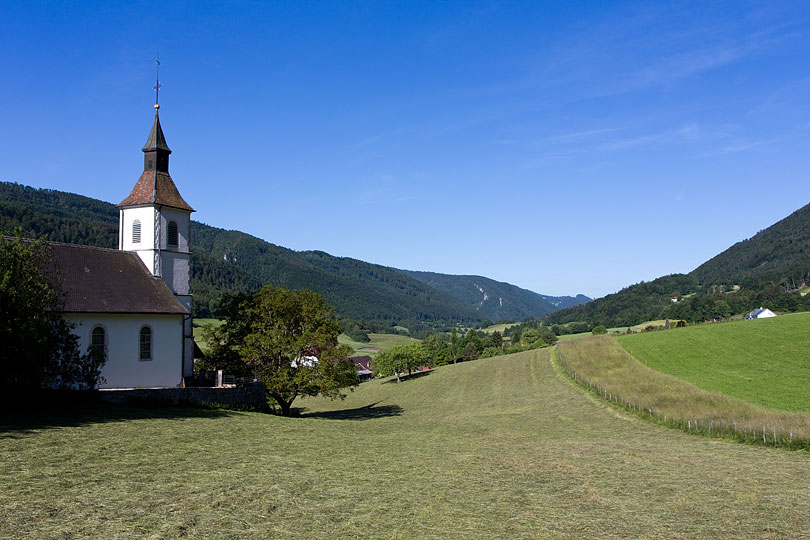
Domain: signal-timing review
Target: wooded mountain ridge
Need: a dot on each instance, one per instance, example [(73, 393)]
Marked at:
[(225, 261), (767, 269)]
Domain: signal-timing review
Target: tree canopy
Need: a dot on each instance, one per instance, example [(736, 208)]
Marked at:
[(399, 359), (39, 350), (289, 340)]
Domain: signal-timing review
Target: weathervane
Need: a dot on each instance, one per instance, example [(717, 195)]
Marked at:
[(157, 86)]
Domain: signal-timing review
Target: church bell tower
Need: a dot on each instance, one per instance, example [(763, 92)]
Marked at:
[(155, 223)]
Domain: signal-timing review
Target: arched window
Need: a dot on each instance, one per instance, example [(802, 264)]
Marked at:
[(136, 231), (173, 233), (98, 343), (145, 344)]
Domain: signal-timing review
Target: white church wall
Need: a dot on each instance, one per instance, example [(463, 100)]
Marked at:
[(124, 369)]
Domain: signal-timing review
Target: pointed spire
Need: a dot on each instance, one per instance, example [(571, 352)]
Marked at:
[(156, 140)]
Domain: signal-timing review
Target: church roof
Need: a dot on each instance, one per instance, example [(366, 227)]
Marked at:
[(97, 280), (156, 140), (155, 187)]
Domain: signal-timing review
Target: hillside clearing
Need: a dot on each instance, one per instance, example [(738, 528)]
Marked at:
[(762, 361), (379, 342), (496, 448), (500, 327)]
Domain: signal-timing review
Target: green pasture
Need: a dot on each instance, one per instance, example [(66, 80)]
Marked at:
[(642, 326), (602, 365), (501, 327), (379, 342), (764, 361), (197, 329), (501, 448), (565, 337)]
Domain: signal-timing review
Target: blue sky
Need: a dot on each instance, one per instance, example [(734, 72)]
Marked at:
[(565, 147)]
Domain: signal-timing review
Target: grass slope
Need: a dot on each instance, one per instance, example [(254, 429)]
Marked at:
[(497, 448), (379, 342), (603, 365), (761, 361)]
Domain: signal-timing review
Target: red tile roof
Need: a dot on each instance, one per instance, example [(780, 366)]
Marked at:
[(155, 188), (97, 280)]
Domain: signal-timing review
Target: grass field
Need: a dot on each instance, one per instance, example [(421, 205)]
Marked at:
[(501, 327), (603, 364), (565, 337), (198, 331), (379, 342), (500, 448), (642, 326), (764, 361)]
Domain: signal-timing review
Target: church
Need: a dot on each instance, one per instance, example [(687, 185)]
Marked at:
[(134, 303)]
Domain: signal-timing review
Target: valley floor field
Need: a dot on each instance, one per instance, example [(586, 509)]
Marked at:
[(501, 448)]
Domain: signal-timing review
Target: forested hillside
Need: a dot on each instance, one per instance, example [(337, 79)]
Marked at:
[(780, 253), (764, 270), (496, 300), (231, 261), (358, 290)]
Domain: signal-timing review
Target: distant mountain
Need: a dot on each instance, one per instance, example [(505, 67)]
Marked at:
[(226, 261), (764, 270), (496, 300)]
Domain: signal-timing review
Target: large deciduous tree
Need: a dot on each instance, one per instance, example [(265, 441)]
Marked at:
[(38, 348), (289, 339)]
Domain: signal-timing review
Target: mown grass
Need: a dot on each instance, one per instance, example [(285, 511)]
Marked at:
[(379, 342), (601, 363), (763, 361), (498, 448)]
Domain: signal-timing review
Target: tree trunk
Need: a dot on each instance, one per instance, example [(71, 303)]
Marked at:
[(285, 404)]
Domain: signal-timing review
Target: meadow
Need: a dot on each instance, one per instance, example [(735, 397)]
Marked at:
[(603, 365), (500, 327), (197, 330), (762, 361), (506, 447), (379, 342)]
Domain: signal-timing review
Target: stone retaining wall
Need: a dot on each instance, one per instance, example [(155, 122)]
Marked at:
[(247, 395)]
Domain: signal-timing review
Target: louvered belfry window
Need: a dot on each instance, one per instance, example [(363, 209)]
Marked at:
[(173, 233), (136, 231)]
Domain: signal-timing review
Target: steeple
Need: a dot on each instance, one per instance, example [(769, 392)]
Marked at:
[(156, 151), (155, 223)]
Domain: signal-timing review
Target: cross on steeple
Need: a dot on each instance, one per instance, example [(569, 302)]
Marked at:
[(157, 86)]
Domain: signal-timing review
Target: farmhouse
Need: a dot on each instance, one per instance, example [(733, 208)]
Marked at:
[(363, 365), (761, 313), (134, 303)]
